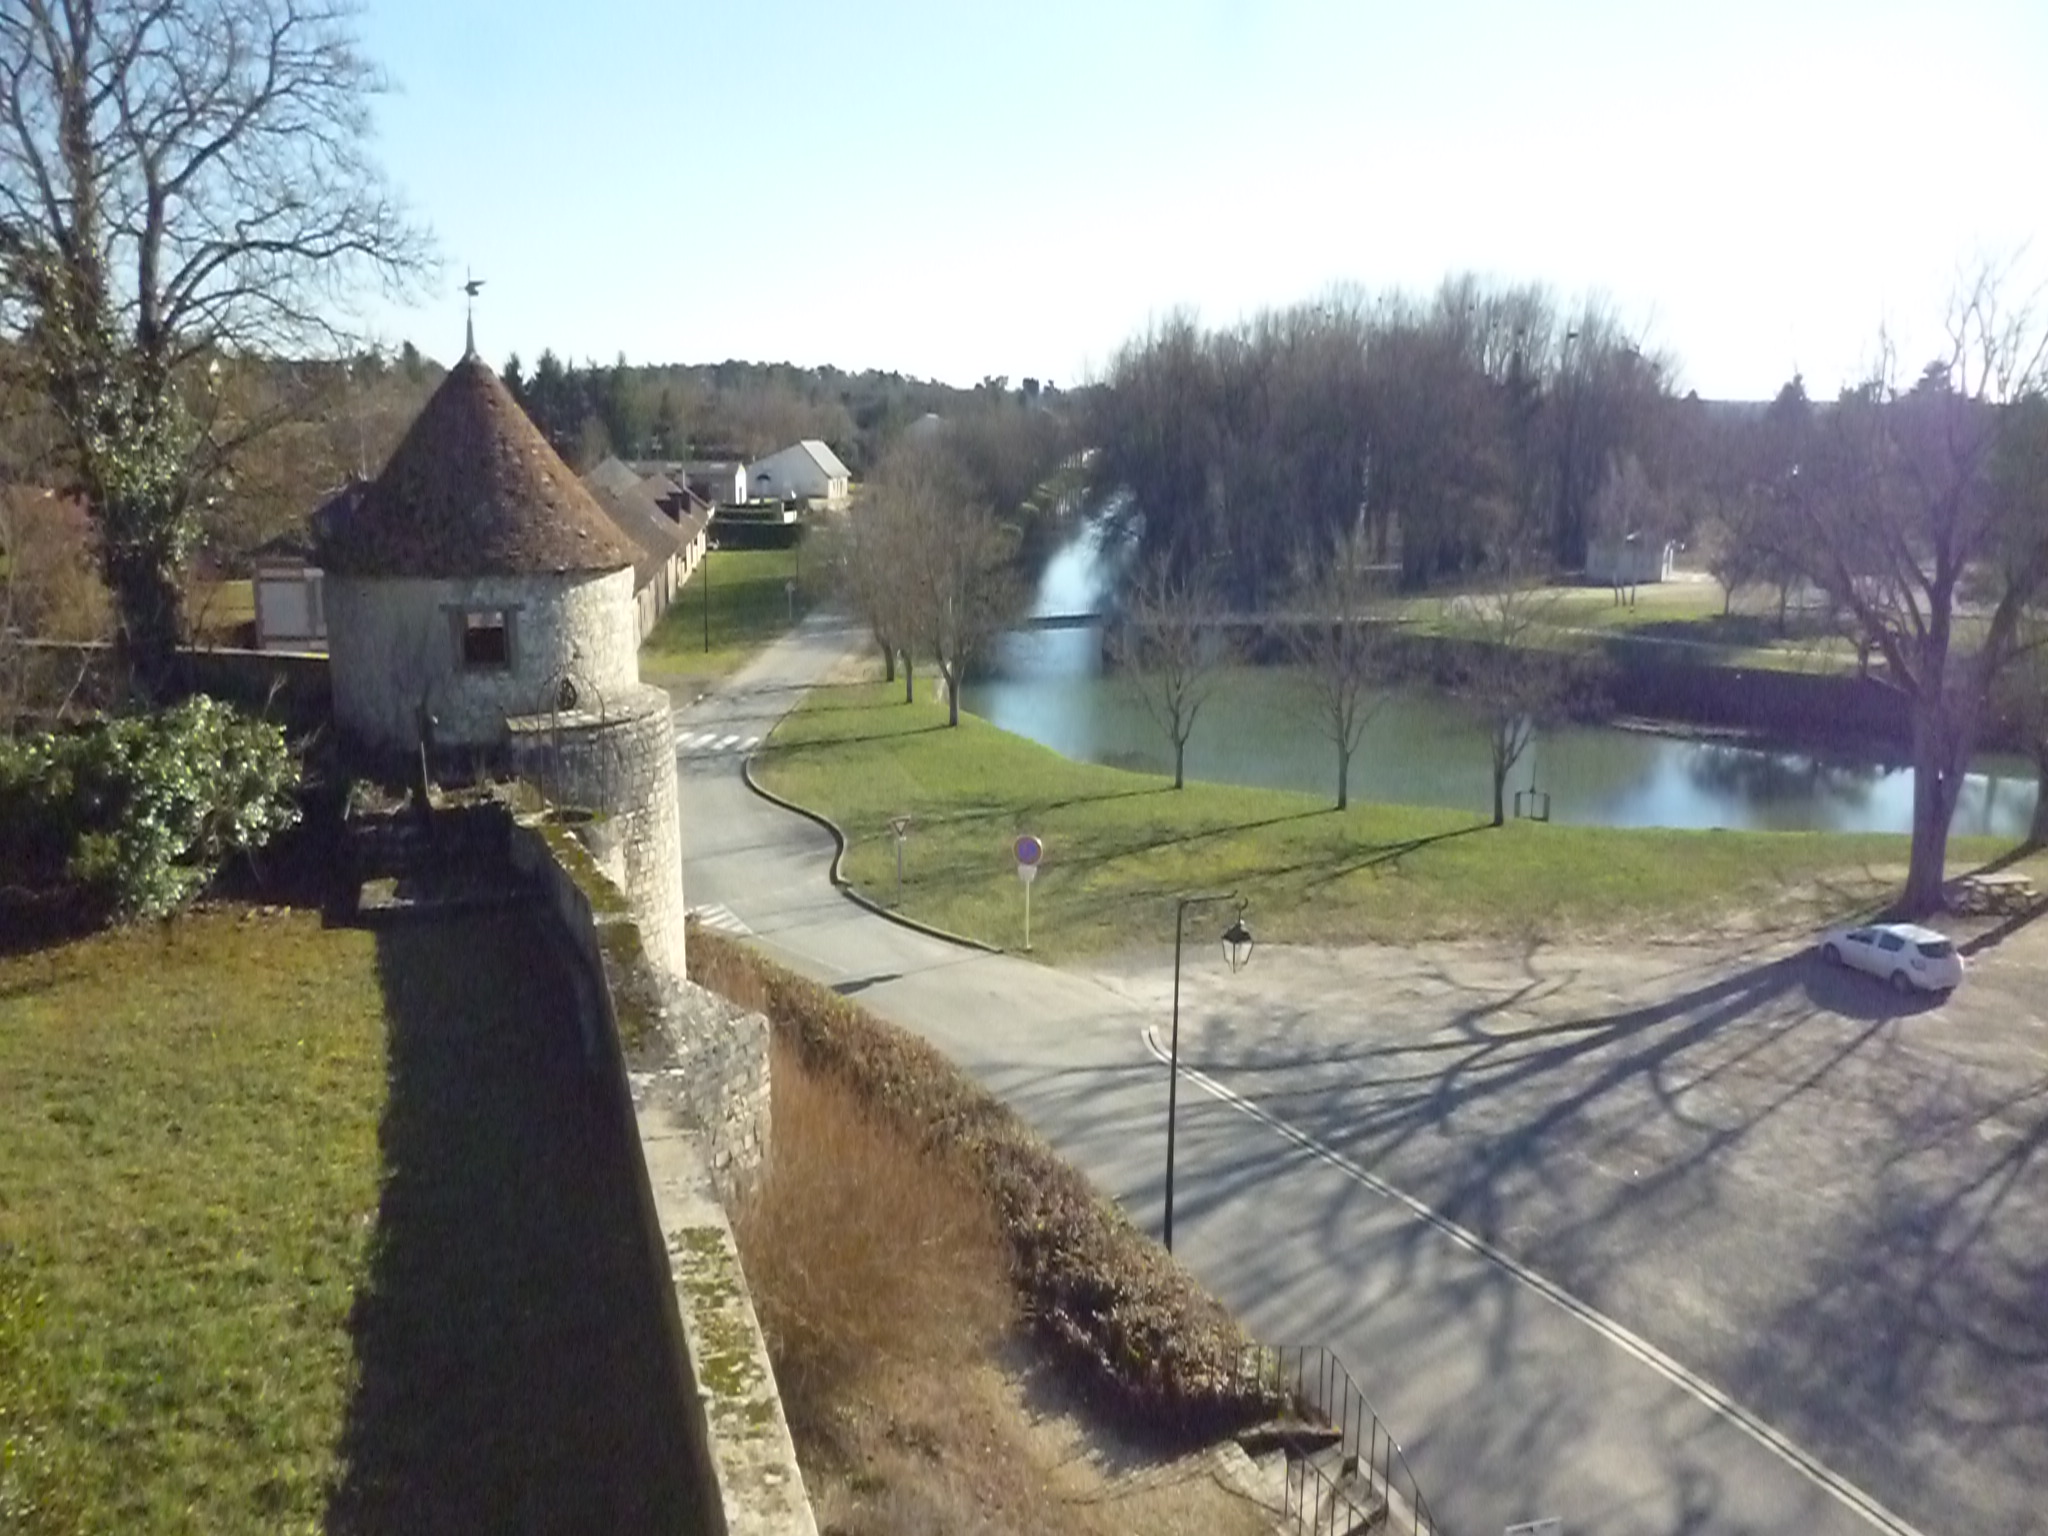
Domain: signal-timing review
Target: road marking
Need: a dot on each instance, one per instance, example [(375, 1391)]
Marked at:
[(709, 743), (1641, 1349), (718, 915)]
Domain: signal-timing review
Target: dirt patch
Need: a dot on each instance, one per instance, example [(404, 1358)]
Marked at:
[(989, 1446)]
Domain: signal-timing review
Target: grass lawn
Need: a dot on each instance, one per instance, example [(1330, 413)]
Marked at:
[(1120, 846), (749, 607), (188, 1186), (217, 610), (306, 1228), (1685, 615)]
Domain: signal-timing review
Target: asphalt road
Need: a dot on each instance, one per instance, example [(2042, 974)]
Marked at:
[(1601, 1240)]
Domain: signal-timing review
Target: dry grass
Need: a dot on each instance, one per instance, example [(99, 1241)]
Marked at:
[(881, 1280), (863, 1253), (1156, 1354)]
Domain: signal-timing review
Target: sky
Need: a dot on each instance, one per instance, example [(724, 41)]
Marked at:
[(956, 190)]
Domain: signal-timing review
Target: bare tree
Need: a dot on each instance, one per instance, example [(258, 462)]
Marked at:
[(971, 593), (951, 585), (868, 571), (1627, 507), (1512, 671), (180, 180), (1333, 639), (1172, 648), (1926, 518)]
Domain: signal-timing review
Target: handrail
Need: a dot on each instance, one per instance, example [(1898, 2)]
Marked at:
[(1321, 1507), (1320, 1386)]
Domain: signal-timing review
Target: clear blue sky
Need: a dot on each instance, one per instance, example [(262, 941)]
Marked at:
[(959, 189)]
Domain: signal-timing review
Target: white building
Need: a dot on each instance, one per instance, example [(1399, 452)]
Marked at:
[(1629, 560), (806, 471), (721, 482)]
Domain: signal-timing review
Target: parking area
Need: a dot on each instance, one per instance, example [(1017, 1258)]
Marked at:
[(1829, 1199)]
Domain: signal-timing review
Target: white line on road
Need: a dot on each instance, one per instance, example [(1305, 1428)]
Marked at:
[(718, 915), (727, 741), (692, 741), (1688, 1381)]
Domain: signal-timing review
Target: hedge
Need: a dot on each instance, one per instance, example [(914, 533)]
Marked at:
[(1138, 1335)]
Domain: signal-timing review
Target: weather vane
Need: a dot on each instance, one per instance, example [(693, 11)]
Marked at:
[(470, 287)]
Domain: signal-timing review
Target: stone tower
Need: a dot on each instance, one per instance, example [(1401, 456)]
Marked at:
[(480, 604)]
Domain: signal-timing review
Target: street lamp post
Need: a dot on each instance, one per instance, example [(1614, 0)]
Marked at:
[(707, 596), (1237, 951)]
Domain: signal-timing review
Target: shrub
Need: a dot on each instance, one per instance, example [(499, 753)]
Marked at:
[(1139, 1335), (135, 813)]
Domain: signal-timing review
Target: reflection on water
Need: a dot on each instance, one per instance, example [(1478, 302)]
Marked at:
[(1260, 728)]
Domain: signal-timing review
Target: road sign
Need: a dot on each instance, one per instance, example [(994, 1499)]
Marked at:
[(900, 826), (1029, 851)]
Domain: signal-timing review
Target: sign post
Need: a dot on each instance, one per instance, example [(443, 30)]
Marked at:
[(900, 827), (1029, 851)]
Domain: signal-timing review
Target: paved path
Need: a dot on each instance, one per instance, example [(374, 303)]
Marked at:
[(1514, 1400)]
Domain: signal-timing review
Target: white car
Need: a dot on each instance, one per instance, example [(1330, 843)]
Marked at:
[(1911, 958)]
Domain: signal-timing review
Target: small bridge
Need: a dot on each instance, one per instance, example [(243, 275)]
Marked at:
[(1210, 621)]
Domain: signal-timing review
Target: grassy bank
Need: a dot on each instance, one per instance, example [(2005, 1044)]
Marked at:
[(879, 1276), (307, 1228), (1683, 620), (749, 606), (1120, 846), (188, 1178), (1156, 1356)]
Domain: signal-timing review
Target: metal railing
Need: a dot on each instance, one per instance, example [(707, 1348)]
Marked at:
[(1320, 1507), (1324, 1392)]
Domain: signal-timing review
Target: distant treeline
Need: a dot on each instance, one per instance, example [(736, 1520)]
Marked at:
[(731, 410), (1457, 429)]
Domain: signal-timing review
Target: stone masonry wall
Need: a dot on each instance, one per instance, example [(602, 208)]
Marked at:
[(621, 765), (690, 1050), (691, 1072), (394, 647)]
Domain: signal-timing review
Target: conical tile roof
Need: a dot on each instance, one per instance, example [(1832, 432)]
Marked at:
[(473, 490)]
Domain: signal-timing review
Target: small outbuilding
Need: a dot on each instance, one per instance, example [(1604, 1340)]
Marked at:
[(1630, 559), (287, 589), (717, 482)]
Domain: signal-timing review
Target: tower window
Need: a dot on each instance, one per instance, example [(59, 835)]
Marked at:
[(486, 636)]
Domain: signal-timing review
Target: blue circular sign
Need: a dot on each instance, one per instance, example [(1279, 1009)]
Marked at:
[(1029, 849)]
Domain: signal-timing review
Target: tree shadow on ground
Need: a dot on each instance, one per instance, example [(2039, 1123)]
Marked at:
[(1920, 1340), (779, 752), (514, 1374), (1910, 1350), (1385, 856)]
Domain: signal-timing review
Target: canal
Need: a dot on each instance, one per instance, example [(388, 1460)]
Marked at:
[(1260, 727)]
